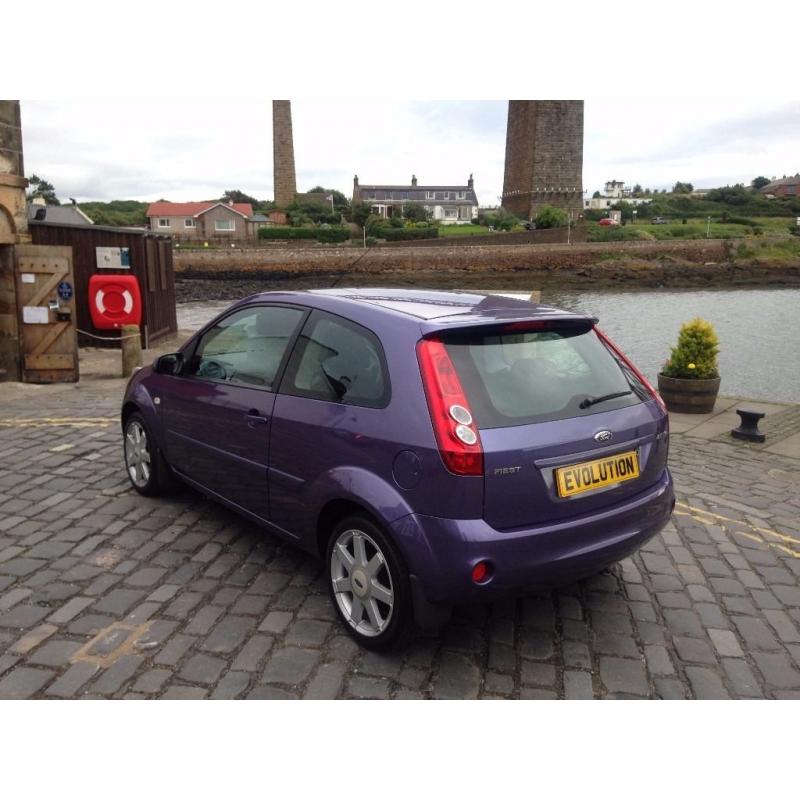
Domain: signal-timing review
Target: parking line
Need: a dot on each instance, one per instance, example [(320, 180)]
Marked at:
[(57, 422), (712, 518)]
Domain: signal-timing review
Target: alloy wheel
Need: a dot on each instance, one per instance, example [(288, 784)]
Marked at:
[(362, 583), (137, 454)]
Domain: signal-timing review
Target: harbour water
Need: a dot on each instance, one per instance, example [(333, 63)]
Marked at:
[(759, 330)]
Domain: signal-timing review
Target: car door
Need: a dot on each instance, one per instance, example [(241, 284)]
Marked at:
[(217, 412), (328, 413)]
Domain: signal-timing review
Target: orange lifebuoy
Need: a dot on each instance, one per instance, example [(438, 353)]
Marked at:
[(114, 300)]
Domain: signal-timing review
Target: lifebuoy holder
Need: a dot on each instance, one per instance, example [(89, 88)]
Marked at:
[(114, 300)]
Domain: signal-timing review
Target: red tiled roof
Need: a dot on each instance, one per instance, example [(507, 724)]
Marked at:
[(165, 209)]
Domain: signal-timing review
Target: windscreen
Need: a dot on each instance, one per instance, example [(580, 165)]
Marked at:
[(515, 378)]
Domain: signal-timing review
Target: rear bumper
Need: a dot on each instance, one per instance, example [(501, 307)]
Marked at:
[(442, 552)]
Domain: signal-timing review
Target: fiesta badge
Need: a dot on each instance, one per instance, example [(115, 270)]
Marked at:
[(603, 436)]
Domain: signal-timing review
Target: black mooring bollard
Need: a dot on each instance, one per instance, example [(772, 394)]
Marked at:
[(749, 426)]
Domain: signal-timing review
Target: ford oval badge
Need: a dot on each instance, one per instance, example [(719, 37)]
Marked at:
[(603, 436)]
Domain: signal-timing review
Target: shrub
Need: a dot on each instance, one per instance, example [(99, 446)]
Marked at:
[(549, 217), (395, 222), (286, 232), (500, 220), (407, 234), (332, 235), (416, 212), (371, 241), (695, 355)]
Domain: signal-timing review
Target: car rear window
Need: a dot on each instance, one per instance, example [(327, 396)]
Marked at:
[(517, 378)]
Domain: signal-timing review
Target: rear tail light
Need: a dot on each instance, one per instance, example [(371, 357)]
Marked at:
[(453, 424), (632, 368)]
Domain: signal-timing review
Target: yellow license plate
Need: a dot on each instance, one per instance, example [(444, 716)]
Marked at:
[(590, 475)]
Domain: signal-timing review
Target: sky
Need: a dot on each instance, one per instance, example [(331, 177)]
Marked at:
[(147, 150)]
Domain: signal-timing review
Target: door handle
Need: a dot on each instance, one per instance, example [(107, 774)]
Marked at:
[(255, 418)]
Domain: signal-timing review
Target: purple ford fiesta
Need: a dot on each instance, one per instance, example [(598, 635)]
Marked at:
[(434, 448)]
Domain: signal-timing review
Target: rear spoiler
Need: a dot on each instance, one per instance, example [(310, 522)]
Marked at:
[(537, 317)]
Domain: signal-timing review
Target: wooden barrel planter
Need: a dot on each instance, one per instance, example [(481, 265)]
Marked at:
[(689, 395)]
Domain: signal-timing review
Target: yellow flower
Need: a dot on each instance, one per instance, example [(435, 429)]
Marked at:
[(691, 366)]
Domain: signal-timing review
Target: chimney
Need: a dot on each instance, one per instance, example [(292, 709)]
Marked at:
[(413, 180), (470, 182), (355, 181)]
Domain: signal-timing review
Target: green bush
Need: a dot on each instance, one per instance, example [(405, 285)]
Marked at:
[(407, 234), (286, 232), (371, 241), (695, 355), (550, 217), (332, 235), (613, 233), (416, 212), (396, 222), (500, 220)]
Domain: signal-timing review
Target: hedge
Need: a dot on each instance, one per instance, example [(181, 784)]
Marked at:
[(332, 235), (286, 232), (407, 234), (326, 235)]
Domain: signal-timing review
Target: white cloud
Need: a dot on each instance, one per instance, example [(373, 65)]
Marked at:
[(195, 150)]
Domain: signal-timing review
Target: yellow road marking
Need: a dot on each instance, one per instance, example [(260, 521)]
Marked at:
[(712, 518), (57, 422), (782, 536)]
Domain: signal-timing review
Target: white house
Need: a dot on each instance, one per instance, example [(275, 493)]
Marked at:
[(450, 205), (615, 192)]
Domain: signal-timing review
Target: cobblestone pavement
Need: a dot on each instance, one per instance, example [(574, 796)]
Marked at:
[(107, 594)]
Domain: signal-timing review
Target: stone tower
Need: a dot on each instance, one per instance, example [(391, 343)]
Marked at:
[(283, 153), (544, 156), (13, 231)]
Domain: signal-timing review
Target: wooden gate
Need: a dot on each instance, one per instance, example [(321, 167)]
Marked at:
[(46, 303)]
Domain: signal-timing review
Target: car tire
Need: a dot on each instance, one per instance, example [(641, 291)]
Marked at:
[(369, 584), (147, 471)]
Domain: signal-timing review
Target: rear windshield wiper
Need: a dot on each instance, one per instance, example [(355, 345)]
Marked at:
[(590, 401)]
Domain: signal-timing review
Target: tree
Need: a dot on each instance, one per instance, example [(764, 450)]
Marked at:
[(237, 196), (549, 217), (340, 202), (42, 188), (760, 182), (416, 212), (359, 214), (682, 188), (596, 195), (637, 190)]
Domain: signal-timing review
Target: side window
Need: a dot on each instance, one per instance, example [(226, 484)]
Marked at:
[(245, 347), (339, 361)]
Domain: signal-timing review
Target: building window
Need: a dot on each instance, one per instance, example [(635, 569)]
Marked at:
[(791, 189), (190, 223), (461, 196), (163, 223), (430, 195), (451, 213), (404, 196), (387, 195), (226, 225), (465, 213), (371, 196), (447, 195)]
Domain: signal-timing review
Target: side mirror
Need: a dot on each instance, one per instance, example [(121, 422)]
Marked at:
[(169, 364)]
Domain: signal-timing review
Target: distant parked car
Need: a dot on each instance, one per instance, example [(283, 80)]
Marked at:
[(434, 448), (659, 221), (608, 221)]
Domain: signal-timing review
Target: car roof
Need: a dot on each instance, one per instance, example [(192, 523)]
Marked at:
[(444, 308)]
